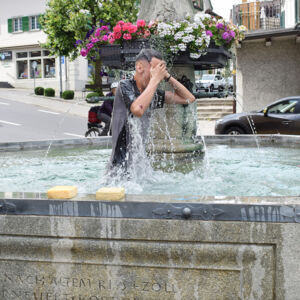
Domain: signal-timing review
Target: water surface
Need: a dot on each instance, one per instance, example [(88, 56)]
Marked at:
[(224, 171)]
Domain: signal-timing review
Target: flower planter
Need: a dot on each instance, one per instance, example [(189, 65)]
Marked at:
[(215, 57), (123, 56), (111, 56), (130, 49)]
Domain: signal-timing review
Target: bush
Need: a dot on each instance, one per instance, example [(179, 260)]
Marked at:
[(39, 90), (49, 92), (94, 94), (68, 94)]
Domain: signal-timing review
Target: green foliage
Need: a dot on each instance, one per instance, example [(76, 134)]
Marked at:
[(68, 94), (49, 92), (94, 94), (39, 90), (64, 22)]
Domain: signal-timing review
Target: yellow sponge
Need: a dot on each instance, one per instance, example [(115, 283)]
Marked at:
[(62, 192), (110, 194)]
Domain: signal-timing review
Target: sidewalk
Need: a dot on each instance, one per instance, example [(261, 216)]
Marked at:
[(78, 106)]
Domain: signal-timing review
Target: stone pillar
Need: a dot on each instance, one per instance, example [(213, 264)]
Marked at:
[(175, 127)]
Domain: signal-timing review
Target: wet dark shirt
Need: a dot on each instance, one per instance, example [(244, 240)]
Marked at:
[(126, 93)]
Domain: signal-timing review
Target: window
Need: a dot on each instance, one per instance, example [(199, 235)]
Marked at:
[(34, 23), (17, 25), (49, 68), (22, 69), (285, 107), (45, 64)]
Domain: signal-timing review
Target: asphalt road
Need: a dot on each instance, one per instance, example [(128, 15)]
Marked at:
[(23, 122)]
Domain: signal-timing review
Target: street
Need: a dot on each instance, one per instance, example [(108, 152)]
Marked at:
[(22, 122)]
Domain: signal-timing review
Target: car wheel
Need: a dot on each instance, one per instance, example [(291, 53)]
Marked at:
[(211, 89), (234, 130), (220, 89)]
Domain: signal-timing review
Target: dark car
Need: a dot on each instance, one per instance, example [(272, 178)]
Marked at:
[(282, 116)]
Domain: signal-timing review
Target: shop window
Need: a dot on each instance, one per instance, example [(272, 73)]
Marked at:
[(17, 25), (46, 53), (22, 69), (38, 69), (34, 23), (35, 53), (21, 54), (49, 67)]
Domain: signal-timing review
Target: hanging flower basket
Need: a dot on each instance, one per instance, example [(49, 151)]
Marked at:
[(215, 57), (111, 56), (130, 49)]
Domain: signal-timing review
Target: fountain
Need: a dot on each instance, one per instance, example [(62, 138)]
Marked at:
[(181, 245)]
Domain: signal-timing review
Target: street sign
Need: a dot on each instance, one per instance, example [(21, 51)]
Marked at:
[(6, 55), (34, 64), (62, 58)]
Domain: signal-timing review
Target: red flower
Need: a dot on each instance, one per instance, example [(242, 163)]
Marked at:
[(132, 29), (140, 23), (121, 23), (117, 35), (126, 26), (117, 28), (127, 36)]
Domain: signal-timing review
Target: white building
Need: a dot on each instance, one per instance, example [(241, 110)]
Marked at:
[(290, 12), (20, 38)]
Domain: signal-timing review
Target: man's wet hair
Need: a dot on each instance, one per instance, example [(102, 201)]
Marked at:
[(148, 54)]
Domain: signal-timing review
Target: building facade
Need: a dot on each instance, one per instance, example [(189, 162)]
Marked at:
[(23, 62), (266, 14)]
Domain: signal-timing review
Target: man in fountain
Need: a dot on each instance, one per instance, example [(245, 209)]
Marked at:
[(134, 101)]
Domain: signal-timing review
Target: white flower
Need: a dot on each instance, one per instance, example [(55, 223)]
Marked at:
[(189, 29), (84, 11), (178, 35), (200, 16), (242, 28), (176, 25), (195, 55), (182, 47), (174, 49), (189, 38)]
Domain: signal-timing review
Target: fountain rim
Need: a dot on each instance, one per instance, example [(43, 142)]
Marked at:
[(105, 141)]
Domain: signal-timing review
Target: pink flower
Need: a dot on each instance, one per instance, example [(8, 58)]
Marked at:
[(132, 29), (126, 26), (105, 38), (97, 33), (208, 32), (84, 52), (220, 26), (104, 27), (117, 28), (117, 35), (147, 33), (140, 23), (127, 36), (232, 33), (94, 40), (111, 38), (150, 24), (111, 41), (121, 23), (90, 46), (225, 36)]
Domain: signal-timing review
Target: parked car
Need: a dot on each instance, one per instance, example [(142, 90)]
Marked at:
[(228, 84), (210, 82), (282, 116)]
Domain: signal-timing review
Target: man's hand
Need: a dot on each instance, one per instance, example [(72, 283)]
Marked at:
[(159, 72)]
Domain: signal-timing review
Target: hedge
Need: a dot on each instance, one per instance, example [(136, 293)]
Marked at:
[(68, 94), (39, 90), (49, 92)]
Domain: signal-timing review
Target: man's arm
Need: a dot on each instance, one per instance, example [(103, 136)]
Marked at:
[(181, 94), (141, 103)]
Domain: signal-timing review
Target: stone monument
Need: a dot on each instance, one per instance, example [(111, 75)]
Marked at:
[(175, 128)]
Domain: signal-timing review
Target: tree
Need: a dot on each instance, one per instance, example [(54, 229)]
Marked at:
[(65, 22)]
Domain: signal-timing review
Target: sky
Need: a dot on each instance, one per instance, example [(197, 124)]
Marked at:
[(222, 7)]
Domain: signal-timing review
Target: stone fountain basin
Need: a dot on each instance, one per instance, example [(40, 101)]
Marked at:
[(149, 247)]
